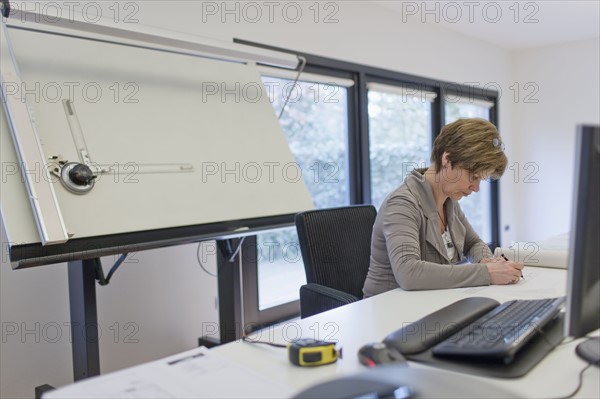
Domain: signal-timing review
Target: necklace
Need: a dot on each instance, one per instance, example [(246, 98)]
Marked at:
[(445, 234), (441, 219)]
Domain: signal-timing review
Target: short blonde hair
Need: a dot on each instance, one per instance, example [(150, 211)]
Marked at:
[(473, 144)]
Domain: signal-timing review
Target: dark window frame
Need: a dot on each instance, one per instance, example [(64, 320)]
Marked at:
[(358, 155)]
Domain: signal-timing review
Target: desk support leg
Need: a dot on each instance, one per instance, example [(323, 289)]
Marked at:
[(230, 308), (84, 320)]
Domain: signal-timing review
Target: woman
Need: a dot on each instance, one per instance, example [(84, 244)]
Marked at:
[(421, 238)]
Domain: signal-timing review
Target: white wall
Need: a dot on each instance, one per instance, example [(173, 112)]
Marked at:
[(156, 304), (568, 77), (168, 296)]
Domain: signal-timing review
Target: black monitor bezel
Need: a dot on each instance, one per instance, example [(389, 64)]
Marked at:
[(583, 282)]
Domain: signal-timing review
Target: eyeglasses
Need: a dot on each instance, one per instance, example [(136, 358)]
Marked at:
[(497, 143)]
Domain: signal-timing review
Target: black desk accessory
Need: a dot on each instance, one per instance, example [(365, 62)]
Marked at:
[(435, 327), (589, 350), (415, 340), (377, 353)]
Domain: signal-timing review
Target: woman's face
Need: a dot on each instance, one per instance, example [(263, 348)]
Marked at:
[(458, 182)]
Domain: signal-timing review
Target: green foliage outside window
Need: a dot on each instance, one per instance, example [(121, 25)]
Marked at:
[(315, 124), (399, 140)]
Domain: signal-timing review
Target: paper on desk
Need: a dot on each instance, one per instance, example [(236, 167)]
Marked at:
[(198, 373), (536, 254), (538, 283)]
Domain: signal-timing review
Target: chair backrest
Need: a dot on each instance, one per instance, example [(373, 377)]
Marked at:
[(336, 246)]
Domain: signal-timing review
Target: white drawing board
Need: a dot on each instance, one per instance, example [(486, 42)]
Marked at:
[(184, 141)]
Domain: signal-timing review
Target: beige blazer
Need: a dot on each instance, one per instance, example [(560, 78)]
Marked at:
[(408, 251)]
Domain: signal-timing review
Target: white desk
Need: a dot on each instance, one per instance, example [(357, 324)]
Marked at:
[(372, 319)]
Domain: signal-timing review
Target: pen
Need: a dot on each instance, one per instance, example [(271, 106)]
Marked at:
[(505, 258)]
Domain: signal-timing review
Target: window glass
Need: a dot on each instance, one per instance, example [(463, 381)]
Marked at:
[(399, 139), (477, 206), (315, 122)]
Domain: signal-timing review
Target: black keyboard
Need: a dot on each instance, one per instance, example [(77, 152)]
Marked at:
[(503, 331)]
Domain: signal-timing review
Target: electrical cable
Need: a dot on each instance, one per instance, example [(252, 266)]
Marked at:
[(237, 249), (545, 337), (231, 258), (579, 384), (115, 266), (245, 339), (564, 342), (300, 70), (100, 274)]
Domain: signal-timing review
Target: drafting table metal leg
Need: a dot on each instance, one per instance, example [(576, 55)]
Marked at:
[(230, 309), (84, 320)]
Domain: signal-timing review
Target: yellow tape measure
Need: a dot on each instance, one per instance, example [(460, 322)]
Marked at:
[(312, 352)]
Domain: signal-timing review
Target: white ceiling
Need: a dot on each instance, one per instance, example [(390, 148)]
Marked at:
[(549, 22)]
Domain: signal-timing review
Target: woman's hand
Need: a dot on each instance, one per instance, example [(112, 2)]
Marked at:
[(491, 260), (504, 271)]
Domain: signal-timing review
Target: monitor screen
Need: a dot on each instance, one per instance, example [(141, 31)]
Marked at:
[(583, 289)]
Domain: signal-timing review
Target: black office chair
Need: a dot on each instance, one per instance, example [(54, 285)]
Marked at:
[(336, 246)]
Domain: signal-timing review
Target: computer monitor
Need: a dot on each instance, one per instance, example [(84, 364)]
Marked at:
[(583, 289)]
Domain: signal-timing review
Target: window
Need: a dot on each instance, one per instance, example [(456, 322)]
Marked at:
[(399, 136), (477, 206), (315, 122), (356, 131)]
